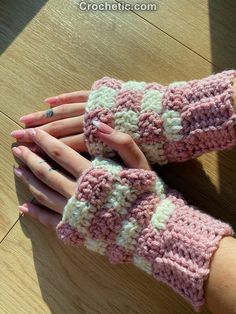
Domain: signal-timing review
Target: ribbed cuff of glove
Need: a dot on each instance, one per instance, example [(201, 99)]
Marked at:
[(131, 217), (170, 123)]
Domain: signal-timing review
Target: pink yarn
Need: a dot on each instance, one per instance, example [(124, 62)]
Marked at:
[(204, 107), (178, 250)]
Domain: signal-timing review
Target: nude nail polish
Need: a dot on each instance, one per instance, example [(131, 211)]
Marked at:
[(17, 134), (32, 132), (102, 127), (16, 151), (51, 100), (96, 123), (27, 119), (23, 208), (18, 172)]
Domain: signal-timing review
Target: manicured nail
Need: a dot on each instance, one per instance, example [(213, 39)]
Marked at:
[(102, 127), (32, 132), (16, 151), (51, 100), (96, 123), (24, 208), (17, 133), (18, 172), (27, 119)]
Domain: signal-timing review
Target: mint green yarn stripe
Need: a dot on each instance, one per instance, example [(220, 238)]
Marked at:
[(154, 152), (97, 246), (159, 188), (108, 165), (104, 97), (162, 214), (152, 101), (178, 84), (133, 85), (143, 264), (78, 214), (128, 234), (172, 124), (121, 195), (127, 121)]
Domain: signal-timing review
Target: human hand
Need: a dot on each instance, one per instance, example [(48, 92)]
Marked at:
[(52, 188), (134, 217), (64, 120)]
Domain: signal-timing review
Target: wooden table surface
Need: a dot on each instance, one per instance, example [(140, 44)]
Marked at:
[(50, 47)]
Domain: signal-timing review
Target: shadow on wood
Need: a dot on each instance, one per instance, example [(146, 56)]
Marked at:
[(14, 16), (223, 46)]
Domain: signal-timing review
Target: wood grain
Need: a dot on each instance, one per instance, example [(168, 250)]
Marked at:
[(40, 275), (207, 27), (63, 49), (55, 54), (8, 196)]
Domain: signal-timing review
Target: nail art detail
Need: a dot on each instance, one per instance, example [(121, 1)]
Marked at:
[(102, 127), (32, 132), (17, 133), (16, 151), (96, 123)]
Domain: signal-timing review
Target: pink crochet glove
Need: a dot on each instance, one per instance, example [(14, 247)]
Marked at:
[(169, 123), (130, 216)]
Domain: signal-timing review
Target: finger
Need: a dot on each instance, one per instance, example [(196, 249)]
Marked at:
[(68, 98), (40, 191), (46, 217), (60, 152), (123, 143), (60, 128), (44, 172), (76, 142), (53, 114)]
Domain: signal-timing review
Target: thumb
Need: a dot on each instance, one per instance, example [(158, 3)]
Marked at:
[(123, 144)]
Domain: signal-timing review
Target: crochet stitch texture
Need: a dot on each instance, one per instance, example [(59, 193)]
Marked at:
[(130, 216), (171, 123)]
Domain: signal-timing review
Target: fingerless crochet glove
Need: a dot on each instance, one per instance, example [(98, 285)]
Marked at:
[(169, 123), (132, 217)]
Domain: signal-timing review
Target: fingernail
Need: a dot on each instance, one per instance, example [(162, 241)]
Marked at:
[(18, 172), (32, 132), (27, 119), (24, 208), (102, 127), (17, 133), (16, 151), (96, 123), (51, 100)]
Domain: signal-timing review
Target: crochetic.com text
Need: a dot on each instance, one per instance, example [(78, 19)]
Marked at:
[(117, 6)]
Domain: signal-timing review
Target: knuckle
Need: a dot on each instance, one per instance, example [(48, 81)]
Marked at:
[(127, 141), (54, 128), (63, 110), (40, 173), (56, 152)]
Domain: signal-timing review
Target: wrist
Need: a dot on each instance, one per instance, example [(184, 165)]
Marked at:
[(222, 280), (171, 123)]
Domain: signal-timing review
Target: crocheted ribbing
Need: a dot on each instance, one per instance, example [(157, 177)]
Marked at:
[(170, 123), (130, 216)]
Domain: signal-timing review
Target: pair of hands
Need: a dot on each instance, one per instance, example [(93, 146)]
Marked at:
[(39, 148)]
